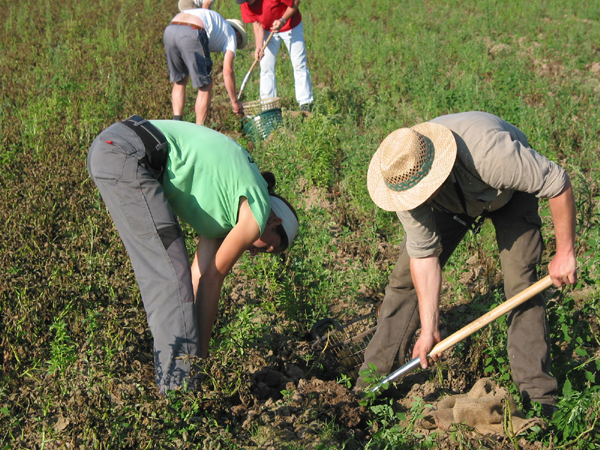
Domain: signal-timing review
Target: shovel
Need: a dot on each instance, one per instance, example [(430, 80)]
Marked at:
[(471, 328), (252, 67)]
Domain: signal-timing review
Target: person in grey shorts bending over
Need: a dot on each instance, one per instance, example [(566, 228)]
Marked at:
[(440, 177), (150, 173), (189, 40)]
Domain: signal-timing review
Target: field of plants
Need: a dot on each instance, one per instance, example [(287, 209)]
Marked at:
[(76, 366)]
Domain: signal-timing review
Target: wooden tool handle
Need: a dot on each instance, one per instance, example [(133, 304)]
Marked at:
[(492, 315), (256, 60), (471, 328)]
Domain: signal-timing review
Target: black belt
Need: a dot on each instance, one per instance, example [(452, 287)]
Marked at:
[(155, 143)]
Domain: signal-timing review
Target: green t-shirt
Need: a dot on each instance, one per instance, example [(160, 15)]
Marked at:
[(206, 175)]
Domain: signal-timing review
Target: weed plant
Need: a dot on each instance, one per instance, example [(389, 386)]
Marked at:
[(76, 366)]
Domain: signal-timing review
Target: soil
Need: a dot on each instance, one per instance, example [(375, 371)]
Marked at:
[(275, 397), (284, 402)]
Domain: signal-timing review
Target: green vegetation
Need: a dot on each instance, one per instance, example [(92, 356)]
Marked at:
[(76, 367)]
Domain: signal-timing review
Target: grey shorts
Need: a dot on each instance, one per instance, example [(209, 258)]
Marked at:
[(187, 54)]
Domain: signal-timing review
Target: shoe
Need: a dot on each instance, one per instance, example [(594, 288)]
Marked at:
[(307, 107)]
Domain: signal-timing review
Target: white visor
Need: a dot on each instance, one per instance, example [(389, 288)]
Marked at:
[(289, 221)]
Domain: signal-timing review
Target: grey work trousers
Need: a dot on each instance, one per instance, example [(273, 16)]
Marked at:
[(520, 246), (155, 244)]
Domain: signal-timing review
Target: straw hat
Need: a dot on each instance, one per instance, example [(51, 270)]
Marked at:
[(238, 25), (410, 165), (189, 4)]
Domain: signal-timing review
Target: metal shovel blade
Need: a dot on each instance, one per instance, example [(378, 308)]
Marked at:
[(398, 373), (244, 83)]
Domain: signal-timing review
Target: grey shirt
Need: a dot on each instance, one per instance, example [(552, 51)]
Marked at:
[(493, 161)]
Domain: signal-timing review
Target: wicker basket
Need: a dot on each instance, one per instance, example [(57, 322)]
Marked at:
[(260, 126), (256, 107), (342, 349)]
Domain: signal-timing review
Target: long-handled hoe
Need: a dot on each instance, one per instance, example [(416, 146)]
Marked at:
[(471, 328), (256, 60)]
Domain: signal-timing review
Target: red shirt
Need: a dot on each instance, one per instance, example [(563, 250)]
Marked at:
[(268, 11)]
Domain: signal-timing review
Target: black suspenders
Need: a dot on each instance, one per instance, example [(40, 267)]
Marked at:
[(156, 144), (464, 219)]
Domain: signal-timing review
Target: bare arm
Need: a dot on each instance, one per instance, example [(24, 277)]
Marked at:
[(562, 268), (213, 261), (259, 39), (427, 278), (287, 15), (229, 80), (207, 282)]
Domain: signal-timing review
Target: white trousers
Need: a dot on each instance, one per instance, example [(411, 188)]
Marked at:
[(294, 41)]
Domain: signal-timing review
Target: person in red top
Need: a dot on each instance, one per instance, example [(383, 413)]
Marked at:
[(283, 18)]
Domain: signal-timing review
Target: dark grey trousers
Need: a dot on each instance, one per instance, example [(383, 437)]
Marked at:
[(155, 244), (520, 245)]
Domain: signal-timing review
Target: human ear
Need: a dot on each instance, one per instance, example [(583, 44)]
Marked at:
[(276, 220)]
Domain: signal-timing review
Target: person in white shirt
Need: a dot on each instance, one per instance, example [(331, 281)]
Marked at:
[(189, 40)]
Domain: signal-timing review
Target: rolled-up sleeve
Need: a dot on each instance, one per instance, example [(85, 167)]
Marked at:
[(509, 164), (422, 239)]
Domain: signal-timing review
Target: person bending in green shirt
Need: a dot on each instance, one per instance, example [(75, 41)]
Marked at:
[(152, 173)]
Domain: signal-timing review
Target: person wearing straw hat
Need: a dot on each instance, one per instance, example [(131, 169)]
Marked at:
[(151, 174), (189, 39), (283, 18), (443, 178), (192, 4)]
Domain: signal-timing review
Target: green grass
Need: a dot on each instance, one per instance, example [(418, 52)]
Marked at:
[(75, 351)]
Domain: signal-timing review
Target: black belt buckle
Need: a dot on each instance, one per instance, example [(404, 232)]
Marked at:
[(476, 227)]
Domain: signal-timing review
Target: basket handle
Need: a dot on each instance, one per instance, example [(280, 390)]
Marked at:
[(320, 323)]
